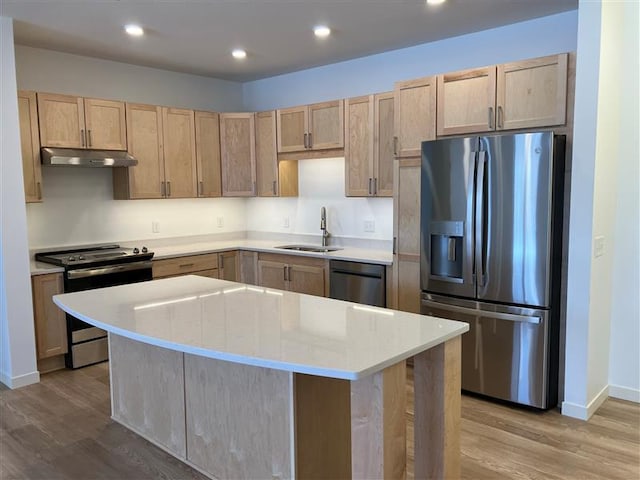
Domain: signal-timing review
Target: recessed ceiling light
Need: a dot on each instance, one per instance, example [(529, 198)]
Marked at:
[(435, 2), (134, 30), (239, 53), (322, 31)]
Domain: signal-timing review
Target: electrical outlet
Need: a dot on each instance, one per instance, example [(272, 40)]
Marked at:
[(155, 227), (369, 226), (598, 246), (285, 222), (220, 222)]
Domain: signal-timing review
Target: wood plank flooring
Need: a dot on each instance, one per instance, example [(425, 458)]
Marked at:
[(60, 429)]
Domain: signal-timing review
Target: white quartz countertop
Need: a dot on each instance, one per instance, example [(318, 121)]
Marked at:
[(260, 326)]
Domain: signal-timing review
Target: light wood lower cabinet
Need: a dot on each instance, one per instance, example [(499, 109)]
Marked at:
[(50, 321), (205, 265), (296, 274), (30, 146), (229, 266), (248, 264), (406, 231), (238, 150)]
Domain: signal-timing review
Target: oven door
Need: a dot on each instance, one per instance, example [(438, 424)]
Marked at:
[(88, 344)]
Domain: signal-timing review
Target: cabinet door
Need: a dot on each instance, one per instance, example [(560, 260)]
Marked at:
[(237, 144), (208, 154), (228, 266), (248, 265), (30, 146), (61, 120), (406, 231), (466, 101), (179, 145), (272, 274), (50, 321), (358, 132), (306, 279), (105, 124), (144, 126), (292, 126), (326, 125), (532, 93), (415, 115), (383, 144), (266, 154)]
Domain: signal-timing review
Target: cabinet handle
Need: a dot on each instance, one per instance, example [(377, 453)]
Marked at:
[(393, 248), (305, 140), (221, 262), (89, 138), (289, 273), (370, 185), (275, 192), (395, 146), (163, 191), (82, 137), (39, 190), (186, 265), (500, 117), (168, 189), (285, 273), (200, 189), (375, 186), (491, 118), (310, 140)]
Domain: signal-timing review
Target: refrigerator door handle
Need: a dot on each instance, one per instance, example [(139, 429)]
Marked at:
[(509, 317), (479, 220)]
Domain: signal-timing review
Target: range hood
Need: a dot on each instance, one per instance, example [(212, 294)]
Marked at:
[(71, 157)]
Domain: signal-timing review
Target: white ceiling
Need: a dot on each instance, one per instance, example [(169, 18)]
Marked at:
[(197, 36)]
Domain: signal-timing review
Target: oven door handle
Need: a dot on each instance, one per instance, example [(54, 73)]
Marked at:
[(92, 272)]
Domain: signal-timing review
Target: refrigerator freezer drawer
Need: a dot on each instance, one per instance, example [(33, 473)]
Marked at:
[(505, 353)]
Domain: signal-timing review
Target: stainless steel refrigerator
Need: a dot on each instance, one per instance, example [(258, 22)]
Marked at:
[(491, 241)]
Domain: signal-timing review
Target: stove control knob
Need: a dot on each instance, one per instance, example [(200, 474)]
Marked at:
[(145, 249), (72, 258), (136, 251), (80, 257)]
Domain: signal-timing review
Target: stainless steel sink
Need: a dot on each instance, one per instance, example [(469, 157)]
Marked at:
[(309, 248)]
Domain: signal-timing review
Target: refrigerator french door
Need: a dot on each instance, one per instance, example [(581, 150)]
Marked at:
[(490, 247)]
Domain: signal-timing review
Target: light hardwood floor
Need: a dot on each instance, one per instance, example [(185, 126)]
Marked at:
[(60, 429)]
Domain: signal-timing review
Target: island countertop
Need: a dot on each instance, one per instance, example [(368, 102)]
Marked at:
[(260, 326)]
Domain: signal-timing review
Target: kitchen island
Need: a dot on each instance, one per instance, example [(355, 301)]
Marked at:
[(241, 381)]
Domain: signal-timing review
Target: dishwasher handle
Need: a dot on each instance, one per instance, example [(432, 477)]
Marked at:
[(357, 274)]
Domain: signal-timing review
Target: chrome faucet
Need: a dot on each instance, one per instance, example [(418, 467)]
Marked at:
[(323, 227)]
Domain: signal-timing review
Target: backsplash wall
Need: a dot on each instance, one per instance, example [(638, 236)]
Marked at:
[(78, 208)]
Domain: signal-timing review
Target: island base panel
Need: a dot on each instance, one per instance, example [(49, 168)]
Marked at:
[(437, 384)]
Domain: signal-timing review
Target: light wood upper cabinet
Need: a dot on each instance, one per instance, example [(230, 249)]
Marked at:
[(74, 122), (208, 154), (311, 127), (369, 123), (296, 274), (406, 232), (532, 93), (105, 124), (274, 178), (238, 149), (146, 179), (415, 115), (30, 146), (179, 148), (466, 101), (50, 321), (527, 94)]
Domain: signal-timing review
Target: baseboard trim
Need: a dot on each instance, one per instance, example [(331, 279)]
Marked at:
[(624, 393), (585, 412), (20, 380)]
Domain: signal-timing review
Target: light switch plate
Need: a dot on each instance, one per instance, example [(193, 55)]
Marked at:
[(220, 222), (598, 246)]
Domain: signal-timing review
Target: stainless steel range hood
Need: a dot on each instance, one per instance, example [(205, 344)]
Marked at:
[(71, 157)]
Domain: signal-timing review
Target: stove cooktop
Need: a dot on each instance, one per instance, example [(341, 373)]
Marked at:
[(99, 255)]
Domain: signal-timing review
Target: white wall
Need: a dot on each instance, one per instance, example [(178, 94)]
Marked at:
[(321, 183), (17, 345), (624, 363), (598, 167), (56, 72), (377, 73), (78, 204)]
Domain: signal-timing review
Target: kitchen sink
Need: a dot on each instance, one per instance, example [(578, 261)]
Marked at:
[(309, 248)]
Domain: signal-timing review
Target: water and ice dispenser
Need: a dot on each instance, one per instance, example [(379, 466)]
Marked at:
[(446, 250)]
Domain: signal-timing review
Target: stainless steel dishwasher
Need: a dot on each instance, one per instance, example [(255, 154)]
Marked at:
[(358, 282)]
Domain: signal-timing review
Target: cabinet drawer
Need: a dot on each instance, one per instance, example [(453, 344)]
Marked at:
[(184, 265)]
